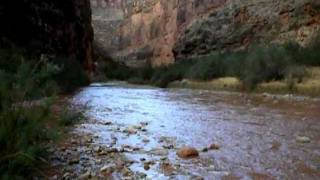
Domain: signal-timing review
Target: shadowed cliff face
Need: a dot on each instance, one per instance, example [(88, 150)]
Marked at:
[(59, 27), (158, 32)]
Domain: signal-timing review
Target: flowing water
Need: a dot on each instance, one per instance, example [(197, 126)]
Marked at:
[(259, 136)]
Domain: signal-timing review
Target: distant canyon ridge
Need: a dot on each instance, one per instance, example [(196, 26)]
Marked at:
[(160, 32)]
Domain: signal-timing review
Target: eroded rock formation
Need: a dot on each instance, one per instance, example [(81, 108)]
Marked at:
[(158, 32), (59, 27)]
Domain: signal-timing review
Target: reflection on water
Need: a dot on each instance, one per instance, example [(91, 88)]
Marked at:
[(256, 134)]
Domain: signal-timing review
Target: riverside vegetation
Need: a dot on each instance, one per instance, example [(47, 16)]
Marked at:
[(28, 91), (263, 63)]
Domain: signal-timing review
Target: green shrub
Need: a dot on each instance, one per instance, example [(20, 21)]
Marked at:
[(21, 132), (23, 115), (70, 116), (27, 88), (116, 71), (208, 67), (264, 64), (295, 74)]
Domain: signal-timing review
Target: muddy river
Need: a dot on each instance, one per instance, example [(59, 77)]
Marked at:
[(136, 132)]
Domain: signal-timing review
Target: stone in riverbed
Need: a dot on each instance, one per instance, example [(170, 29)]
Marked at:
[(107, 123), (159, 152), (85, 176), (214, 147), (107, 169), (146, 166), (187, 152), (131, 130), (303, 139)]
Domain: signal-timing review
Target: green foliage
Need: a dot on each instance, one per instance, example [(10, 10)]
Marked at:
[(23, 114), (264, 64), (70, 116), (117, 71), (21, 132), (207, 68), (27, 89)]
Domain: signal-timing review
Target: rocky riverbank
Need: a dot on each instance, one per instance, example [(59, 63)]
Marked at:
[(134, 132)]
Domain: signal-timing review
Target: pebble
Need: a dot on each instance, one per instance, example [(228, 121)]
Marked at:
[(145, 140), (107, 123), (130, 130), (146, 166), (188, 152), (86, 175), (107, 169), (159, 152), (66, 175), (303, 139), (214, 147)]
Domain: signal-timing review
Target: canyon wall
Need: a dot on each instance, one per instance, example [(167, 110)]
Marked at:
[(59, 27), (159, 32)]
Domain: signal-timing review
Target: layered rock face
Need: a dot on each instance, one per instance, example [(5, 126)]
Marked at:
[(241, 23), (159, 32), (59, 27)]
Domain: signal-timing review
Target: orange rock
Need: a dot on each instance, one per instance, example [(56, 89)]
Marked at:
[(188, 152), (214, 147)]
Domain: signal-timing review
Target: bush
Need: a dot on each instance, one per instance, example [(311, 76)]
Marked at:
[(294, 75), (208, 67), (264, 64), (115, 71), (70, 116), (22, 129), (23, 115), (28, 86)]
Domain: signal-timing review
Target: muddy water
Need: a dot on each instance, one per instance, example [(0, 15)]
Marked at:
[(258, 136)]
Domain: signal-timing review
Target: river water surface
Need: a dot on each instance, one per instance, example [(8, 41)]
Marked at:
[(259, 136)]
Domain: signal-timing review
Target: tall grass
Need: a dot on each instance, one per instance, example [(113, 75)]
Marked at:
[(28, 87)]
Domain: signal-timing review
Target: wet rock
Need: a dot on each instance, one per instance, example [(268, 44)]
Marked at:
[(112, 150), (66, 175), (188, 152), (163, 158), (196, 178), (146, 140), (126, 171), (137, 127), (85, 176), (131, 130), (107, 169), (122, 150), (275, 146), (146, 166), (107, 123), (303, 139), (140, 175), (74, 161), (167, 168), (205, 149), (168, 146), (159, 152), (55, 177), (97, 149), (144, 123), (214, 147)]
